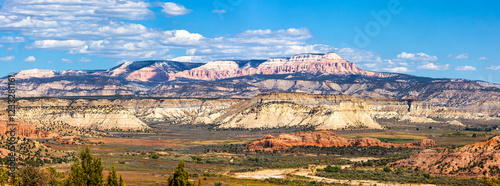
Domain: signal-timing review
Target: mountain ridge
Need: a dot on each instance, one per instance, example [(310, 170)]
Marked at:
[(308, 73)]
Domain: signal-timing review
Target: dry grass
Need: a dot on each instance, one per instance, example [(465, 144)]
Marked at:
[(393, 137), (139, 142), (221, 142)]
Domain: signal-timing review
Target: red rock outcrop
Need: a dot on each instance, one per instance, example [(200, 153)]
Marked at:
[(23, 129), (329, 63), (475, 160), (323, 139), (421, 143), (148, 74)]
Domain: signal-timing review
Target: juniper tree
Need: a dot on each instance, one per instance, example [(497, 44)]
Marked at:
[(180, 176), (86, 170), (112, 178)]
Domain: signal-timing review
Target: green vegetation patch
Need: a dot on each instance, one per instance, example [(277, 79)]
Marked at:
[(384, 137), (220, 142)]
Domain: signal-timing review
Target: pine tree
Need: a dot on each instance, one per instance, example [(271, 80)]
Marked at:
[(86, 170), (112, 178), (180, 177), (76, 176), (121, 182)]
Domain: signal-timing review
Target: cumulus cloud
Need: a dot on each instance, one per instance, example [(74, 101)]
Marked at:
[(181, 37), (173, 9), (30, 59), (417, 57), (465, 68), (357, 55), (190, 59), (95, 27), (7, 58), (432, 66), (492, 67), (78, 9), (10, 39), (462, 56), (57, 44), (397, 70), (483, 58)]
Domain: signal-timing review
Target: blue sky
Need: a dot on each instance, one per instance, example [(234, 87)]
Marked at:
[(450, 39)]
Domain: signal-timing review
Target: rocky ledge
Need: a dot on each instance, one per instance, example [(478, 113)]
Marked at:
[(324, 139)]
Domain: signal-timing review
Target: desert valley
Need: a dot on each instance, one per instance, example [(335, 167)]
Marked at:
[(307, 119)]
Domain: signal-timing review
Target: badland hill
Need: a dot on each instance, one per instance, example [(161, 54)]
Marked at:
[(478, 159)]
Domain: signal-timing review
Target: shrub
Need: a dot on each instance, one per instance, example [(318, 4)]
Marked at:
[(387, 169), (332, 169), (155, 156)]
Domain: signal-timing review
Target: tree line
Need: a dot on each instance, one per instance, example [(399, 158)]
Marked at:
[(85, 171)]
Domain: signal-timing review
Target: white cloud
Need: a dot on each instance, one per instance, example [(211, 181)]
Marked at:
[(57, 44), (483, 58), (417, 57), (219, 11), (462, 56), (30, 59), (85, 60), (432, 66), (181, 37), (7, 58), (465, 68), (78, 9), (191, 59), (64, 60), (397, 70), (493, 67), (173, 9), (357, 55), (1, 46), (10, 39), (94, 27), (403, 63)]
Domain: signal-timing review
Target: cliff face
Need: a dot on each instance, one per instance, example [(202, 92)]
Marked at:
[(336, 112), (288, 110), (271, 110), (102, 117), (476, 160), (24, 130), (323, 139), (77, 113), (329, 63), (118, 113), (176, 111)]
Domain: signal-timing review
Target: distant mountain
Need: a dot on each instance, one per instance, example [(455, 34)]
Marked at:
[(309, 73)]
